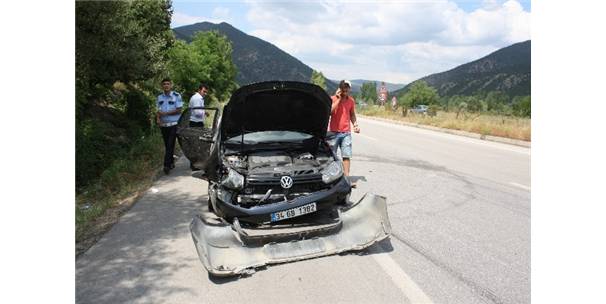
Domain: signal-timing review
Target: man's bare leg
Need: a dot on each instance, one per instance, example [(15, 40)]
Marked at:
[(346, 166)]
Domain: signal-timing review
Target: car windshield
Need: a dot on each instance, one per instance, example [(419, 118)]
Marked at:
[(269, 137)]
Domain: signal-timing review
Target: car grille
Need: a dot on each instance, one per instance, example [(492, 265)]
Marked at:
[(301, 183)]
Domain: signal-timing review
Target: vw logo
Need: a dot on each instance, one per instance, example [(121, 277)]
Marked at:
[(286, 182)]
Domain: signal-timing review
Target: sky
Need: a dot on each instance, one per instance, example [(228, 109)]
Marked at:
[(396, 41)]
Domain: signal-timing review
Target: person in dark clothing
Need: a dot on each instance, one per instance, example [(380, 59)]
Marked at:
[(169, 105)]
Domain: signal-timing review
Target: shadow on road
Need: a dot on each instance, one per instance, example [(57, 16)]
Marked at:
[(354, 179), (138, 256), (383, 246), (223, 280), (149, 256)]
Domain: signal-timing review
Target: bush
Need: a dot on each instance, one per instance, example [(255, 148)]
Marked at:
[(98, 143), (100, 140), (132, 171), (145, 154), (372, 110), (474, 104), (521, 106), (139, 109), (432, 110)]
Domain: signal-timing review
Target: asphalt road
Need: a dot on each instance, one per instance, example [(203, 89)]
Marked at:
[(459, 208)]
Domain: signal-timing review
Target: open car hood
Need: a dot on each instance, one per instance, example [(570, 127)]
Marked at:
[(277, 106)]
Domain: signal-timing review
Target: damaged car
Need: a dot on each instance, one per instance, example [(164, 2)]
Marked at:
[(272, 177), (267, 158)]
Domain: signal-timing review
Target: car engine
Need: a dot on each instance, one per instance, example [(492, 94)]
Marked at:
[(263, 171)]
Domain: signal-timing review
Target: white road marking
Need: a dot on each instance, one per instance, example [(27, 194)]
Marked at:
[(410, 289), (365, 136), (153, 190), (520, 186)]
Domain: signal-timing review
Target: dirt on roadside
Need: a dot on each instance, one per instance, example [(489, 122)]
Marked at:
[(98, 227)]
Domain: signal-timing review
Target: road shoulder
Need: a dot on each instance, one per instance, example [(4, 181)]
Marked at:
[(516, 142)]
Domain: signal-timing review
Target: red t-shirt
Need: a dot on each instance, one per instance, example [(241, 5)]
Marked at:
[(341, 116)]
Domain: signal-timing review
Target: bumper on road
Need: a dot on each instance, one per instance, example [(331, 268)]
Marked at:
[(223, 253)]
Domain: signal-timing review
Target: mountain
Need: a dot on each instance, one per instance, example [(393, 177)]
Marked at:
[(255, 59), (506, 70), (356, 84)]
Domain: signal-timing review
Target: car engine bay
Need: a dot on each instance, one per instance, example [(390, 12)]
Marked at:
[(263, 171)]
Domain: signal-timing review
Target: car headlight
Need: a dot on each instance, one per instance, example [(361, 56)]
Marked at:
[(333, 171), (233, 180)]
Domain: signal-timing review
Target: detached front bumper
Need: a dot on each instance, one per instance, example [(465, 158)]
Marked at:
[(324, 199), (223, 253)]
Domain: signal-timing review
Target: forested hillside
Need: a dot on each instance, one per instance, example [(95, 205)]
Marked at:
[(256, 59), (506, 70)]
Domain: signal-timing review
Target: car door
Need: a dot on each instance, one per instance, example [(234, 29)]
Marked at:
[(198, 141)]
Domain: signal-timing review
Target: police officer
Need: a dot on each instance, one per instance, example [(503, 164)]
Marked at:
[(169, 105)]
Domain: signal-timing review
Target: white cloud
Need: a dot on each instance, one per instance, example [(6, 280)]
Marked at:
[(490, 4), (396, 41), (221, 13), (507, 24), (180, 19)]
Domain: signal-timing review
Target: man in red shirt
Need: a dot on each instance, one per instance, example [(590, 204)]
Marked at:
[(342, 112)]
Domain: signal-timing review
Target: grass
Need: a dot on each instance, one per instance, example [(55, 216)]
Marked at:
[(485, 124), (110, 190), (123, 178)]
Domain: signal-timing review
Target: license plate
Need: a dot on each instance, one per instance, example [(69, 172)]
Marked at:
[(294, 212)]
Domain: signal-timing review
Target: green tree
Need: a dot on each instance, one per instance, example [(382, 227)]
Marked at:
[(521, 106), (206, 59), (474, 103), (403, 103), (368, 92), (496, 101), (421, 93), (443, 102), (453, 103), (123, 41), (121, 47), (318, 78), (461, 108)]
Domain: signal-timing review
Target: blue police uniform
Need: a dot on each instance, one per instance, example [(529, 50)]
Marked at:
[(167, 103), (168, 124)]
